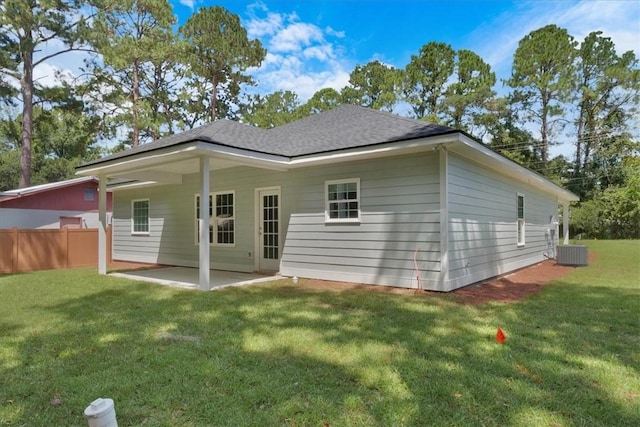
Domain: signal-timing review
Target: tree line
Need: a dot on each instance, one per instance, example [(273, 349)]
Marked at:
[(146, 78)]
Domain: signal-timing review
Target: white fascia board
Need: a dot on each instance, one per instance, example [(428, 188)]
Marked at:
[(148, 159), (132, 184), (500, 163), (139, 161), (244, 157), (160, 177), (49, 186), (371, 152)]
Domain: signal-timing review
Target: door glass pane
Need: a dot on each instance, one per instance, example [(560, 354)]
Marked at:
[(270, 226)]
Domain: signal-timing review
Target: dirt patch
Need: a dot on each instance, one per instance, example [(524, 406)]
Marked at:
[(514, 286), (510, 288)]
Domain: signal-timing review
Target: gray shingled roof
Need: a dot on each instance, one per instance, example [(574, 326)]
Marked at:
[(344, 127)]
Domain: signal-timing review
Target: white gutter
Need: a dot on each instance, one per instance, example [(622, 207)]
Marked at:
[(369, 152)]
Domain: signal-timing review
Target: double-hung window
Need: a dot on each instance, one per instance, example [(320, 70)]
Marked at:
[(221, 218), (140, 216), (342, 200), (520, 219)]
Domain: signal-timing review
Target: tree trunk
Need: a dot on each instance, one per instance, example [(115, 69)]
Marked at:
[(26, 84), (136, 107), (544, 149), (214, 97), (580, 134)]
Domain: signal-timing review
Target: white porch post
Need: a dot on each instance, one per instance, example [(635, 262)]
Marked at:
[(204, 224), (444, 218), (102, 224), (565, 223)]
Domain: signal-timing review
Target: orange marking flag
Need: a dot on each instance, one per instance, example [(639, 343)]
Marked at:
[(500, 336)]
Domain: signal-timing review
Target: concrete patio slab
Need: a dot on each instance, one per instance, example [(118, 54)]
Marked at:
[(188, 278)]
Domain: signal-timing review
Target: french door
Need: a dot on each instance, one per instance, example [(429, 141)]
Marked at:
[(268, 229)]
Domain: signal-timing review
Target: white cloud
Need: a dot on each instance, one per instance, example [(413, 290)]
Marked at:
[(295, 36), (321, 53), (191, 4), (332, 32), (301, 56), (305, 84), (263, 27), (49, 75)]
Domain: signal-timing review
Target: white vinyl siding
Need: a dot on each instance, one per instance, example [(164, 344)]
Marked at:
[(483, 217), (398, 200), (399, 219), (140, 216)]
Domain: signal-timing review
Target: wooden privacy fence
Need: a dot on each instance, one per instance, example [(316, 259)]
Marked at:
[(29, 250)]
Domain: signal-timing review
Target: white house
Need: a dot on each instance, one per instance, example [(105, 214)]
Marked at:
[(351, 194)]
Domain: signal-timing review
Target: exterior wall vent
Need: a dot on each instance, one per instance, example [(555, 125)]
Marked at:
[(572, 255)]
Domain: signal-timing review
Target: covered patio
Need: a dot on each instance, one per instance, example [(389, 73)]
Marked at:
[(189, 278)]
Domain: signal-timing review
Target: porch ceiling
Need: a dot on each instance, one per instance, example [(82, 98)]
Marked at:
[(179, 166)]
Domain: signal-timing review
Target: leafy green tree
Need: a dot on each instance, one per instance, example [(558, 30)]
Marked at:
[(323, 100), (501, 131), (272, 110), (425, 79), (63, 137), (164, 105), (607, 94), (9, 169), (542, 79), (137, 44), (373, 86), (219, 51), (27, 26), (467, 97), (613, 213)]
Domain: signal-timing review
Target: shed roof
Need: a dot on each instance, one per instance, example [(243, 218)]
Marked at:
[(35, 189)]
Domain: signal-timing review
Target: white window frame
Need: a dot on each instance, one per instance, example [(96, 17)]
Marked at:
[(133, 217), (520, 221), (213, 221), (327, 202)]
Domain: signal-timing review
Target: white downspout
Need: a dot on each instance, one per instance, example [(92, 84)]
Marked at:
[(565, 223), (204, 225)]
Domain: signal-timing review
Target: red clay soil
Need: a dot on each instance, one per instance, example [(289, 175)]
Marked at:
[(506, 289), (514, 286)]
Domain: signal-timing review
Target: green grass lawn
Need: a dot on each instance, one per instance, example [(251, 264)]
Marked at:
[(283, 354)]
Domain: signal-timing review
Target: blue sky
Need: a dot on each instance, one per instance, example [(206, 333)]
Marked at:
[(315, 44)]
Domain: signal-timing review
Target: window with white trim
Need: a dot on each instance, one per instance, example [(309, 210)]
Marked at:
[(222, 224), (520, 219), (140, 216), (342, 200)]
